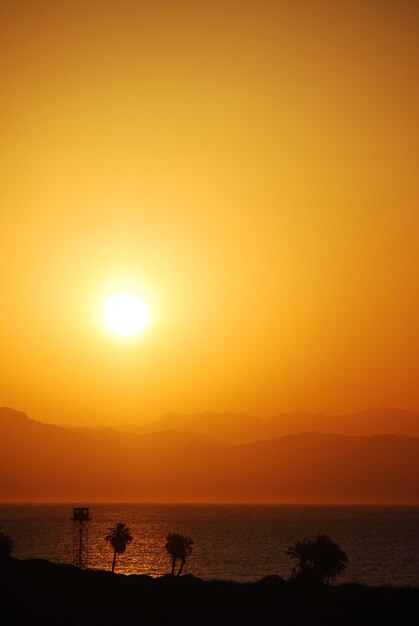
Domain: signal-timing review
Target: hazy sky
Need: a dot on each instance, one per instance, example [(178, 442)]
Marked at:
[(249, 168)]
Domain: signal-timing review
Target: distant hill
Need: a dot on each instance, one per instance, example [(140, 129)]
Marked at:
[(40, 462), (239, 428)]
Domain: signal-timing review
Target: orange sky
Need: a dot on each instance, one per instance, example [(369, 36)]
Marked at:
[(249, 168)]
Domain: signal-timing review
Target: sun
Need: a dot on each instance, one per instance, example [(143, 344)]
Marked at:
[(125, 314)]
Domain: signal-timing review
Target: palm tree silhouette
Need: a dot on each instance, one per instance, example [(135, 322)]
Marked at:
[(118, 537), (6, 547), (302, 552), (329, 558), (179, 547), (317, 561)]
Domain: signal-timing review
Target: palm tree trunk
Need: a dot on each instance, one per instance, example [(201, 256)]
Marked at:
[(173, 566), (181, 568), (114, 561)]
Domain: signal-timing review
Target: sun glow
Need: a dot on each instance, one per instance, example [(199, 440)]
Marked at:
[(125, 314)]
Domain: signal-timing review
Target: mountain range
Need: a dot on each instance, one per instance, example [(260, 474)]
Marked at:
[(239, 428), (46, 463)]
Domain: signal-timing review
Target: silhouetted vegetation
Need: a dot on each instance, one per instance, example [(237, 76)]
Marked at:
[(179, 547), (318, 561), (64, 595), (118, 537), (36, 592), (6, 547)]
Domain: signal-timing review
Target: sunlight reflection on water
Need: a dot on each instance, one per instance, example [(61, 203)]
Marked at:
[(238, 542)]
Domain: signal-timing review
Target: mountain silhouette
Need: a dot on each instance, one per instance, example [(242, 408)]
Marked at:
[(42, 462), (240, 428)]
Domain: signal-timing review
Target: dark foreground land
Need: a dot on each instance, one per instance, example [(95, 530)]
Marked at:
[(38, 592)]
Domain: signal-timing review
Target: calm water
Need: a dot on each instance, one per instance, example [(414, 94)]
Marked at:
[(237, 542)]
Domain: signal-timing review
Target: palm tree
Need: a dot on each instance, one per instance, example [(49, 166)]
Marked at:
[(118, 537), (329, 558), (179, 547), (318, 560), (302, 552), (6, 547)]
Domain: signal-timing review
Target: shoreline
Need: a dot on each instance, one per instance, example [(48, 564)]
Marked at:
[(36, 591)]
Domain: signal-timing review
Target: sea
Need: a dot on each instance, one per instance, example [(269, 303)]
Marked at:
[(231, 542)]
